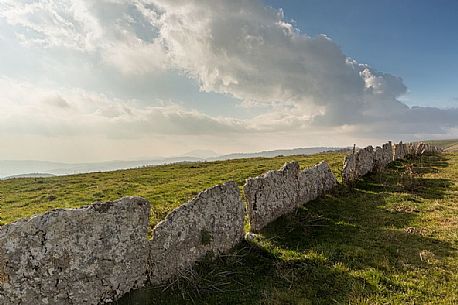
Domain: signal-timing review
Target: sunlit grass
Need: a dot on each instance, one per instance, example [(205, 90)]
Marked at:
[(392, 239), (166, 187)]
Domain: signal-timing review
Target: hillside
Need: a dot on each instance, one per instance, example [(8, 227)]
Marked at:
[(448, 145), (392, 239), (389, 240), (165, 186), (452, 148), (13, 168)]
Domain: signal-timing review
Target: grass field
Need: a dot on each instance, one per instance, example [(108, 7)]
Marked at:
[(166, 187), (392, 239)]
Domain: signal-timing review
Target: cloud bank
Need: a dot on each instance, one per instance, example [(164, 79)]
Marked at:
[(235, 47), (250, 51)]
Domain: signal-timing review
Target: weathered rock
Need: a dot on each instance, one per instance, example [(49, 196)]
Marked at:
[(315, 181), (410, 151), (272, 195), (420, 149), (417, 149), (399, 151), (379, 163), (349, 168), (387, 153), (358, 164), (90, 255), (211, 223), (365, 161)]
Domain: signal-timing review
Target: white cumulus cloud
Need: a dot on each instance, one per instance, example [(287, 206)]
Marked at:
[(241, 48)]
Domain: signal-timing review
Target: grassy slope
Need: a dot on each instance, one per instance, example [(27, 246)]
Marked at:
[(392, 239), (165, 186), (452, 148), (448, 145)]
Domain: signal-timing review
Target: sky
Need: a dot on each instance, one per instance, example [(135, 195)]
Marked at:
[(95, 80)]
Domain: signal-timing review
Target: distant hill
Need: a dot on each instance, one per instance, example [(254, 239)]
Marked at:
[(275, 153), (31, 175), (18, 168)]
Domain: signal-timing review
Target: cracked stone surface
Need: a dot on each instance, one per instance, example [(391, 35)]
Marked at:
[(387, 153), (419, 148), (364, 161), (90, 255), (277, 193), (272, 195), (315, 181), (359, 164), (211, 223), (379, 163), (400, 151)]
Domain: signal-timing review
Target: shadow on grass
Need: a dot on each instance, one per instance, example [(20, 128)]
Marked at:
[(316, 254)]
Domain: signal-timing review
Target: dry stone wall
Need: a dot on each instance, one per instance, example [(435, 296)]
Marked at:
[(378, 159), (211, 223), (314, 182), (359, 163), (366, 160), (387, 153), (383, 156), (277, 193), (89, 255), (419, 148), (271, 195), (400, 151)]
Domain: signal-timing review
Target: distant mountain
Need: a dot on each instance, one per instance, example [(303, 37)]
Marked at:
[(18, 169), (201, 154)]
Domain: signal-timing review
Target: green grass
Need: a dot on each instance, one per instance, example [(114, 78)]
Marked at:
[(447, 145), (166, 187), (392, 239)]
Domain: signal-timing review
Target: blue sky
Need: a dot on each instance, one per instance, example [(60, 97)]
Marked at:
[(92, 80), (415, 39)]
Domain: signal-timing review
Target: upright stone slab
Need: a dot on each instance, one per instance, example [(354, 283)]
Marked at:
[(420, 149), (90, 255), (272, 195), (358, 164), (212, 222), (378, 159), (410, 149), (349, 173), (387, 153), (365, 161), (315, 181), (399, 152)]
